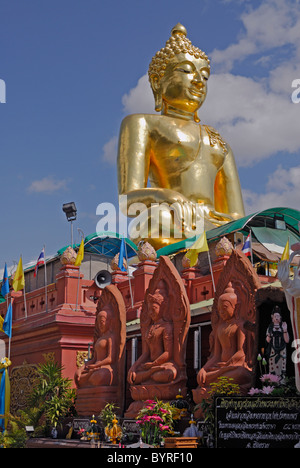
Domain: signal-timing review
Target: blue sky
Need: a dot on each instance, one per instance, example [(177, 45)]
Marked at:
[(74, 68)]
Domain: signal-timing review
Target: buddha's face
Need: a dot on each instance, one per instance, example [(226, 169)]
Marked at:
[(103, 321), (155, 311), (226, 310), (184, 84)]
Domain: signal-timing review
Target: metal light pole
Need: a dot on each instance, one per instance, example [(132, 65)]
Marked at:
[(71, 213)]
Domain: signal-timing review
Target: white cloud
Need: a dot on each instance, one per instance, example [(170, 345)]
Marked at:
[(274, 23), (257, 122), (255, 116), (109, 151), (140, 98), (282, 189), (47, 185)]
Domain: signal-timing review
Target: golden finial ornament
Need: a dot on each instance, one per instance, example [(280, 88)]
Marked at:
[(115, 263), (68, 257), (224, 247), (146, 252)]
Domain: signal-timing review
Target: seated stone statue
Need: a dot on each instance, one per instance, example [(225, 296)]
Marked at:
[(160, 370), (233, 318), (100, 379), (228, 356), (169, 162), (156, 363), (98, 370)]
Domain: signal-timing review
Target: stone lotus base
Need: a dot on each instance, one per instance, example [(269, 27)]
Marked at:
[(163, 392)]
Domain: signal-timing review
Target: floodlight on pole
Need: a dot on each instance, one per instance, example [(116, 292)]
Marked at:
[(70, 211)]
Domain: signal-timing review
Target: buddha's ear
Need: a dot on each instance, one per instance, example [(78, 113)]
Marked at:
[(155, 85)]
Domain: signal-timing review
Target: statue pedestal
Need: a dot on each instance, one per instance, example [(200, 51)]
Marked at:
[(163, 392), (92, 400)]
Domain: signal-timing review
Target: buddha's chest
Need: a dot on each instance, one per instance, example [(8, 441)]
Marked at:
[(188, 147), (227, 332)]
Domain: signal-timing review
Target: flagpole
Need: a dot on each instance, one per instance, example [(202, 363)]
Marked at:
[(77, 295), (46, 286), (211, 271), (130, 289), (251, 247), (24, 292), (9, 338), (25, 302), (78, 282)]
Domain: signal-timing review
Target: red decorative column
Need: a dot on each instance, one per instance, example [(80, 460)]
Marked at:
[(67, 285), (142, 276)]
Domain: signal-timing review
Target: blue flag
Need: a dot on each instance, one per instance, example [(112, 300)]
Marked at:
[(2, 398), (121, 256), (5, 283), (7, 324)]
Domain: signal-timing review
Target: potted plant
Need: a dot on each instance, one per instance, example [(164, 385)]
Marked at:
[(53, 395), (224, 386), (108, 414)]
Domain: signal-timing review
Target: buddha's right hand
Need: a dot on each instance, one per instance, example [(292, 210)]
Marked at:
[(201, 377), (131, 377), (216, 217)]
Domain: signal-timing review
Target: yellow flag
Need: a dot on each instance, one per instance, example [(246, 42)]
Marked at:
[(286, 252), (1, 323), (19, 279), (80, 254), (199, 246)]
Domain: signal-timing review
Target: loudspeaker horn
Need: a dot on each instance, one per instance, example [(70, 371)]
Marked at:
[(102, 279)]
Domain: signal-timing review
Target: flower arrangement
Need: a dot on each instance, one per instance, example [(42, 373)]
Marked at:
[(180, 406), (269, 382), (114, 432), (272, 384), (155, 421), (224, 386), (92, 432)]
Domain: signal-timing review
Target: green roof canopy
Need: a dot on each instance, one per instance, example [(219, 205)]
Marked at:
[(105, 243), (264, 218)]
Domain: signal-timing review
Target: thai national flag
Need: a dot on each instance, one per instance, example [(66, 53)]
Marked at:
[(41, 261), (247, 246)]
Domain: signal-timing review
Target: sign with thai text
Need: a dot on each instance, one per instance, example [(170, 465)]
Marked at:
[(257, 422)]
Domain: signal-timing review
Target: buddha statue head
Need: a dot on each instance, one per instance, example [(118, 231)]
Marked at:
[(178, 74), (227, 303), (156, 302), (104, 320)]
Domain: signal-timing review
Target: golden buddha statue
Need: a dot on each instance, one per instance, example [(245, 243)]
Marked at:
[(187, 165)]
